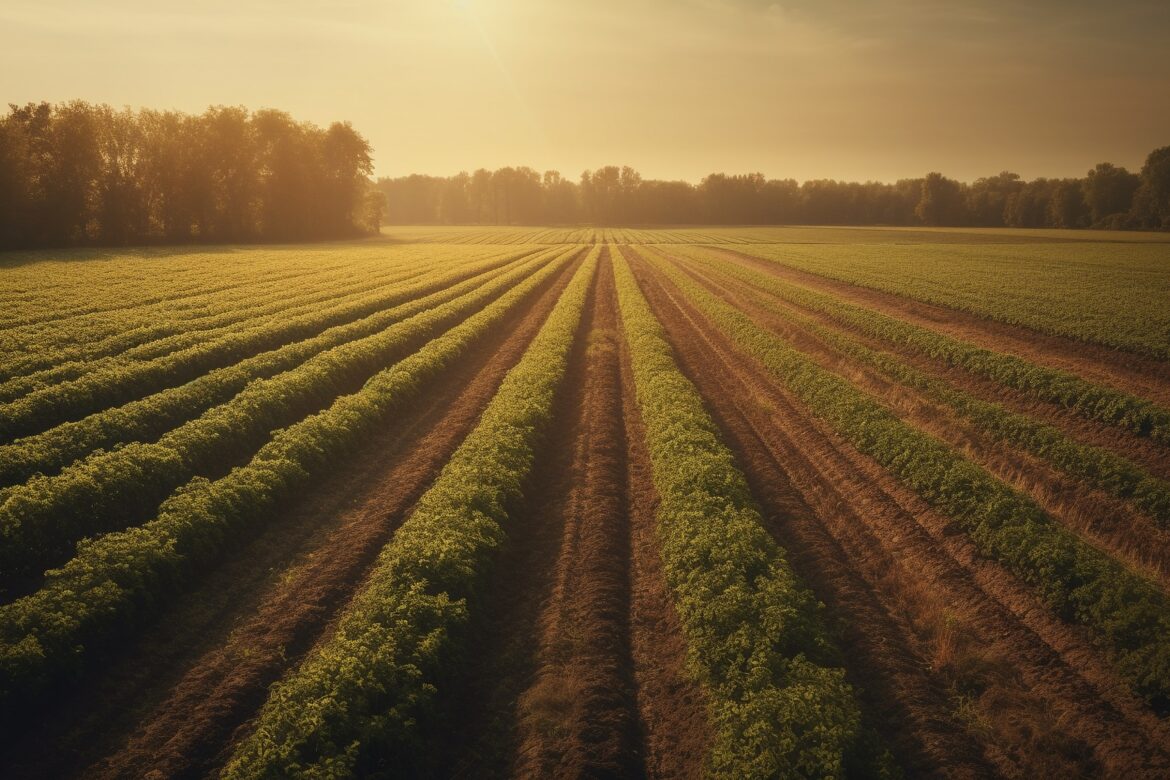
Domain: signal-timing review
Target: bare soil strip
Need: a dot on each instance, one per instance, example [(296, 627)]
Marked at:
[(174, 702), (1150, 454), (937, 637), (577, 718), (577, 671), (1107, 522), (1143, 376)]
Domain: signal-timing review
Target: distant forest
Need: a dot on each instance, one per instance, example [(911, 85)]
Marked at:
[(1107, 197), (83, 174), (77, 174)]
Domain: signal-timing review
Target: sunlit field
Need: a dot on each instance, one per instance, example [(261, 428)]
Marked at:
[(553, 501)]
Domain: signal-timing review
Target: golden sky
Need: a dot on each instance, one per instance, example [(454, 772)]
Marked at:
[(877, 89)]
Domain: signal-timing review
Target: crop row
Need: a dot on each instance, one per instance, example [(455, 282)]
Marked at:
[(1090, 400), (41, 519), (779, 707), (45, 364), (1067, 289), (365, 691), (118, 580), (94, 303), (72, 400), (148, 418), (1127, 613), (1098, 467)]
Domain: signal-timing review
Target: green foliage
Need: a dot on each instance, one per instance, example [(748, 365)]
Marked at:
[(779, 705), (1092, 401), (111, 490), (118, 580), (1064, 286), (90, 174), (69, 346), (148, 418), (1097, 466), (63, 401), (359, 701), (1129, 615)]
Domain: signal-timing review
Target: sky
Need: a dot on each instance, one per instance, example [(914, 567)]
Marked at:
[(805, 89)]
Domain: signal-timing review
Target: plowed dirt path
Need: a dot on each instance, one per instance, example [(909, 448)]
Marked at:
[(580, 669)]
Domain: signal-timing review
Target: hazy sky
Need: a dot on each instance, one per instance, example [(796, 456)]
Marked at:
[(883, 89)]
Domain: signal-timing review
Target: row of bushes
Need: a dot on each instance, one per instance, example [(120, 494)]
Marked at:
[(149, 418), (121, 579), (98, 390), (1089, 400), (1098, 467), (147, 334), (1129, 615), (357, 703), (779, 704), (41, 519)]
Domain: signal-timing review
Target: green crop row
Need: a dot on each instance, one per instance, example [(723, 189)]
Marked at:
[(364, 694), (755, 641), (119, 309), (34, 299), (40, 520), (72, 400), (45, 365), (1089, 400), (149, 418), (1098, 467), (1128, 614), (1066, 288), (119, 580)]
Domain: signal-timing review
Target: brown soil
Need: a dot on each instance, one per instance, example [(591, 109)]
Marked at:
[(567, 681), (577, 718), (1143, 376), (172, 703), (967, 673), (1149, 454), (1105, 521)]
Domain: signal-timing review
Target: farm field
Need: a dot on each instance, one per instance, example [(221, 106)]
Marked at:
[(553, 501)]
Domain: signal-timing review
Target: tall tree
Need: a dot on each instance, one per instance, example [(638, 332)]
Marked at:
[(1109, 192)]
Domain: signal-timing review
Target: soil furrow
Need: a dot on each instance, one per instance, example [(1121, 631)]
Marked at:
[(1103, 520), (175, 701), (577, 718), (486, 732), (579, 663), (1143, 376), (1040, 695)]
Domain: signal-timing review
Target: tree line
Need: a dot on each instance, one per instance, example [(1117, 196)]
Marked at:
[(83, 174), (1108, 196)]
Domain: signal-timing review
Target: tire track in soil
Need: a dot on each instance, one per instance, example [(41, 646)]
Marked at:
[(877, 555), (575, 637), (1141, 375), (1149, 454), (1104, 521), (175, 701)]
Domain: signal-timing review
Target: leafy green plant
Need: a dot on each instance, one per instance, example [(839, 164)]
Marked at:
[(780, 706)]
